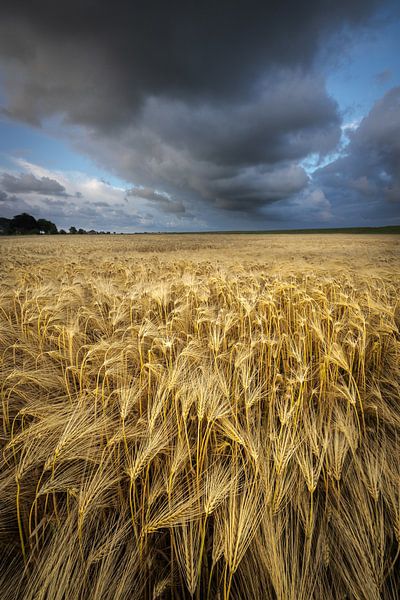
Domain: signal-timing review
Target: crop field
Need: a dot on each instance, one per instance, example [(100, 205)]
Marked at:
[(200, 416)]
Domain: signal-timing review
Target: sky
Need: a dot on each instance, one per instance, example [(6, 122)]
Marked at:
[(200, 116)]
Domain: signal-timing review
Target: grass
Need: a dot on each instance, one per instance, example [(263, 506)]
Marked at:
[(200, 417)]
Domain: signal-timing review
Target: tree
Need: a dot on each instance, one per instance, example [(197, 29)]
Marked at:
[(46, 226), (62, 231), (81, 231), (4, 226), (73, 230), (23, 223)]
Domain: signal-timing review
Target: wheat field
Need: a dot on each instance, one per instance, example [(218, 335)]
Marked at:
[(200, 416)]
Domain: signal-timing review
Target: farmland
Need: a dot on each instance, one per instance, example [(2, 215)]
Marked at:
[(207, 416)]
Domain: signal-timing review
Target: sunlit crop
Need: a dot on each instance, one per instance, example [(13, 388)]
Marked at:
[(175, 424)]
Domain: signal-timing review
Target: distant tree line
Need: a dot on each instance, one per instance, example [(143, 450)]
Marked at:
[(25, 224), (74, 231)]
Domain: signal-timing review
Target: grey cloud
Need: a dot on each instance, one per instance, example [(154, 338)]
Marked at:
[(95, 66), (378, 136), (159, 199), (237, 156), (4, 197), (97, 215), (367, 178), (102, 204), (11, 205), (364, 185), (253, 188), (27, 183), (310, 206), (289, 117)]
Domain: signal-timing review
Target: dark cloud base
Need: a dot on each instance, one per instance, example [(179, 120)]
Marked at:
[(27, 183)]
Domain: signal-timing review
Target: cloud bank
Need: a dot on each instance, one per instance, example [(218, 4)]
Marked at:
[(366, 179)]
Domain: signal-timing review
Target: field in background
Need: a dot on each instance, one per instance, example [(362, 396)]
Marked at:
[(208, 416)]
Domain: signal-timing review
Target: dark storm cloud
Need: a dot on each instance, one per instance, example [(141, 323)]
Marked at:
[(251, 189), (96, 61), (27, 183), (161, 200), (215, 102), (6, 198), (101, 204), (237, 156), (290, 116), (367, 177)]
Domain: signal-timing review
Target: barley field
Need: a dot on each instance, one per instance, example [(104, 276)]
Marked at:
[(200, 416)]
